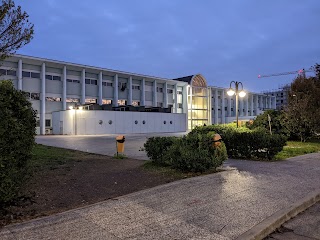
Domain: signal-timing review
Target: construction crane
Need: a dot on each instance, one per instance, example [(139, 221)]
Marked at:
[(300, 72)]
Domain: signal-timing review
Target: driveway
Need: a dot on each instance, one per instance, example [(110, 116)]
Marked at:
[(102, 144)]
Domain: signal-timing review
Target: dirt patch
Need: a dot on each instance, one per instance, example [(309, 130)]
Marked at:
[(85, 180)]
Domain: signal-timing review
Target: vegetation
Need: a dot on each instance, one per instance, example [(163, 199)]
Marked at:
[(17, 131), (296, 148), (278, 122), (302, 113), (246, 143), (190, 153), (15, 28)]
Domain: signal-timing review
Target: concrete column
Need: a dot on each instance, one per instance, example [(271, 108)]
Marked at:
[(261, 102), (251, 103), (256, 104), (246, 108), (130, 91), (83, 86), (270, 106), (240, 107), (115, 90), (209, 94), (274, 103), (175, 99), (43, 100), (64, 88), (20, 74), (154, 92), (185, 100), (100, 88), (165, 95), (142, 91), (229, 106), (223, 112), (216, 112)]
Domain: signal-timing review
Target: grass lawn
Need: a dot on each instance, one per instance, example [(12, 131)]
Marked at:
[(296, 148)]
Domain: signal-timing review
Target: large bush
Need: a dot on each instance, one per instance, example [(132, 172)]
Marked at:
[(156, 148), (190, 153), (17, 131), (246, 143), (278, 122)]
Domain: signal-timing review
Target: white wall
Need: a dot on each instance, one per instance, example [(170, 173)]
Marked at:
[(87, 122)]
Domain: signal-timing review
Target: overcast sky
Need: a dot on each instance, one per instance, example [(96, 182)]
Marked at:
[(223, 40)]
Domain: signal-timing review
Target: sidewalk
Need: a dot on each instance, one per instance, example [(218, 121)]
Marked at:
[(217, 206)]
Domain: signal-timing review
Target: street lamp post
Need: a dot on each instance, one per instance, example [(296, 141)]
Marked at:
[(236, 92)]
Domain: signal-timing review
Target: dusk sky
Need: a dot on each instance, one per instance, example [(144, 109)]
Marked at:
[(223, 40)]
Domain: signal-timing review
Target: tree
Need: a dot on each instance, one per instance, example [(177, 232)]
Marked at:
[(15, 28), (302, 113), (278, 124), (17, 132)]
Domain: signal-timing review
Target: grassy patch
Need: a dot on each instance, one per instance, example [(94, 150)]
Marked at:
[(176, 174), (48, 158), (295, 148)]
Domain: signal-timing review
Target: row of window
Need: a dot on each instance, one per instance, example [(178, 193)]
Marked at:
[(8, 72)]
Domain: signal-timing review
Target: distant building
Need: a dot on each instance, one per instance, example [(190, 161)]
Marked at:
[(77, 99), (281, 95)]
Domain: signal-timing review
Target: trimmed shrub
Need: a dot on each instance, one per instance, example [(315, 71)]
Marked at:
[(190, 153), (196, 153), (245, 143), (156, 148), (17, 131)]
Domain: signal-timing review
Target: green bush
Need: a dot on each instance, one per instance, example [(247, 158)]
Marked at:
[(245, 143), (196, 153), (190, 153), (156, 147), (17, 131)]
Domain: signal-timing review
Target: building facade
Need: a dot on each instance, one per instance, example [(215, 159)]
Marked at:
[(78, 99), (281, 95)]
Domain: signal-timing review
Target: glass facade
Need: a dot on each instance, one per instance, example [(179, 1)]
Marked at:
[(198, 107)]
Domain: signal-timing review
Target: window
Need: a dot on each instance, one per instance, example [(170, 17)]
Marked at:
[(170, 91), (73, 100), (35, 96), (3, 72), (91, 100), (170, 106), (27, 95), (48, 122), (72, 80), (35, 75), (159, 89), (53, 99), (11, 73), (135, 87), (122, 102), (106, 101), (91, 81), (107, 84), (49, 77), (56, 78), (135, 103), (25, 74), (179, 105), (179, 92), (94, 82), (225, 108), (160, 104)]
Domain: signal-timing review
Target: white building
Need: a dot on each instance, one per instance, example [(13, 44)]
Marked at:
[(110, 101)]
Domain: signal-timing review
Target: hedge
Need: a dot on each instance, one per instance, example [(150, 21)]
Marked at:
[(246, 143)]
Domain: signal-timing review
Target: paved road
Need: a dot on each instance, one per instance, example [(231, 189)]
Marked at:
[(102, 144), (305, 226), (217, 206)]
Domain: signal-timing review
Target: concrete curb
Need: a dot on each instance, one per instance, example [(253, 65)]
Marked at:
[(273, 222)]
